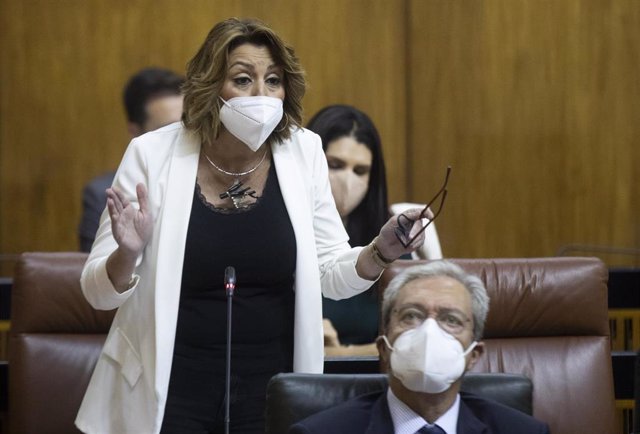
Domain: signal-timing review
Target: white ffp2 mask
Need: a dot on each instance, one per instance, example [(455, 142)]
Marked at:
[(251, 119), (428, 359)]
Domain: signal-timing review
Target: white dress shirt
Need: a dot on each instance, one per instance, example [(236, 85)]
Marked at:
[(407, 421)]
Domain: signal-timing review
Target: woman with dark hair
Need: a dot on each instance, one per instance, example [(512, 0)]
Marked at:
[(358, 182), (362, 205), (237, 183)]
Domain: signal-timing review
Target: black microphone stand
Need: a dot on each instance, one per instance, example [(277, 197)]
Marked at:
[(229, 286)]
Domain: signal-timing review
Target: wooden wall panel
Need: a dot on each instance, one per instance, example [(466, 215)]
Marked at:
[(535, 104), (354, 53), (64, 64)]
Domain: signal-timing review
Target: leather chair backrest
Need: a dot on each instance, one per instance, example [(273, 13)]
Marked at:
[(292, 397), (55, 341), (548, 321)]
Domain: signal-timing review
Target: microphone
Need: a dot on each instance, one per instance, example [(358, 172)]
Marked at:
[(229, 286), (229, 280)]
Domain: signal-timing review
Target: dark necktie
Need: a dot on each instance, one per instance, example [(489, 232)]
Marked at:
[(435, 429)]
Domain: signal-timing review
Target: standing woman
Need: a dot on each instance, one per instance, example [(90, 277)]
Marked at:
[(238, 182), (358, 182)]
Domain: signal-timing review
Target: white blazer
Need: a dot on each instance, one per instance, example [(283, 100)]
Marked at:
[(128, 388)]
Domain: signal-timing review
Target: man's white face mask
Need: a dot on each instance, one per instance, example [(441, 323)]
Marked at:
[(251, 119), (428, 359)]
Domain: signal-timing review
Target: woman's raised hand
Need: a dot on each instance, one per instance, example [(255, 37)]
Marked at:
[(388, 242), (131, 227)]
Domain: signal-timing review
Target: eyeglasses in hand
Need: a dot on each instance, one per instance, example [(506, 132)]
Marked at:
[(405, 223)]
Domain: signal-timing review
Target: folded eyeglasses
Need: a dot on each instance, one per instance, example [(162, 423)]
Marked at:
[(405, 224)]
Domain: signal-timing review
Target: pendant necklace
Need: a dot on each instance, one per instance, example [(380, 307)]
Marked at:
[(238, 194)]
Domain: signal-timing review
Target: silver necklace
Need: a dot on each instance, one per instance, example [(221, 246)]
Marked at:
[(239, 195), (238, 174)]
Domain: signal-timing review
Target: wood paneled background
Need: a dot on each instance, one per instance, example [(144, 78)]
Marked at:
[(535, 104)]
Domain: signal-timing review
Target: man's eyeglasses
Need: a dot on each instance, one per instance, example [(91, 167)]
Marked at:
[(450, 320), (405, 224)]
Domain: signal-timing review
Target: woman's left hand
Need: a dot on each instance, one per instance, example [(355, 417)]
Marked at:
[(386, 248), (388, 243)]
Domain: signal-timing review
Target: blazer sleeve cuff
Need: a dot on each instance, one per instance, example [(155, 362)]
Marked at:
[(99, 290), (340, 278)]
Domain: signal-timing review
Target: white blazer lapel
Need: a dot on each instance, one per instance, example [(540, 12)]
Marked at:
[(297, 193), (174, 222)]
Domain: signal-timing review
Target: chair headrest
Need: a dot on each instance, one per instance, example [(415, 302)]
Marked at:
[(292, 397), (537, 296), (46, 296)]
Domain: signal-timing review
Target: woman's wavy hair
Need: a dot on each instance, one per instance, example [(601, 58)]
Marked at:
[(335, 122), (207, 71)]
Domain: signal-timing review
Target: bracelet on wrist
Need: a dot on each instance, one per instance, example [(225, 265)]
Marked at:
[(377, 257), (133, 281)]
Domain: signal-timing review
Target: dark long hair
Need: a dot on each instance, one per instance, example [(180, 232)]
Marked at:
[(336, 121)]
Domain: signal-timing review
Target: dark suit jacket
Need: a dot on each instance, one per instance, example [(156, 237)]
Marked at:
[(94, 200), (369, 414)]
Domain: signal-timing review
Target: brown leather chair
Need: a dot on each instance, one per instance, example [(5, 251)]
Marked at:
[(548, 321), (55, 341)]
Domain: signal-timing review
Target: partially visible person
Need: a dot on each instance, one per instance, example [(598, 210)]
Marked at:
[(237, 183), (433, 319), (152, 99), (358, 178), (359, 186)]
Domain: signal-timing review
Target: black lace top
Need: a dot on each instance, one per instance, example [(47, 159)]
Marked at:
[(260, 243)]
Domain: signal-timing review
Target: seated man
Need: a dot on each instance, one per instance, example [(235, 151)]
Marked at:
[(433, 318), (152, 99)]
